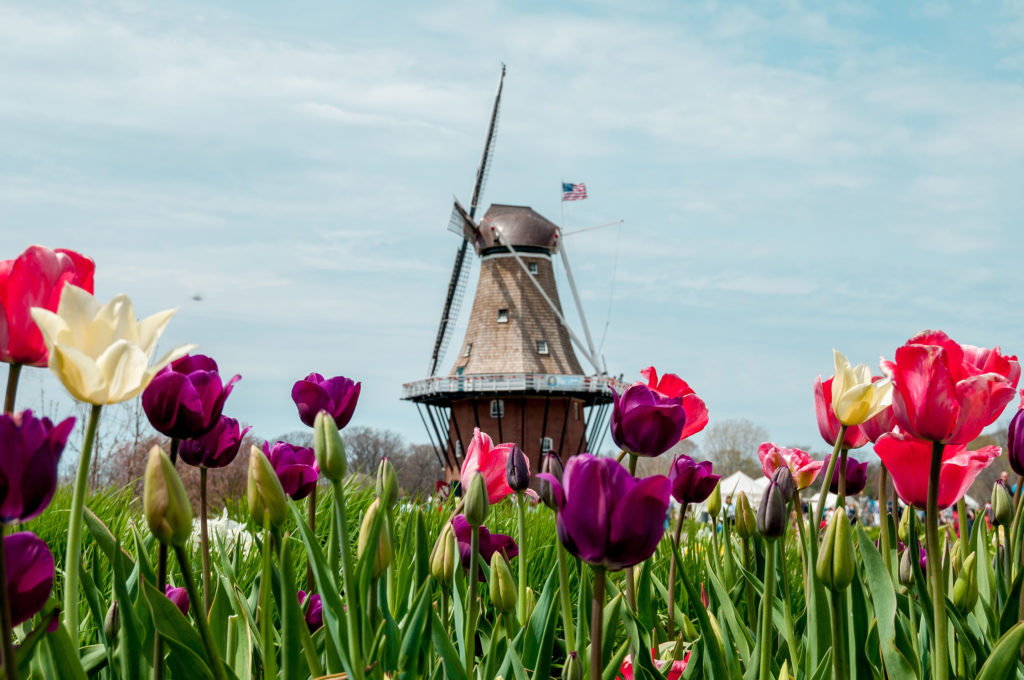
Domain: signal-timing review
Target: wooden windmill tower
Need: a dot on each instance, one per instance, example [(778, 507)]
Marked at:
[(517, 376)]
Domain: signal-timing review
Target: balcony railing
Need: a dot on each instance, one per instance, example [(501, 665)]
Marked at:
[(509, 382)]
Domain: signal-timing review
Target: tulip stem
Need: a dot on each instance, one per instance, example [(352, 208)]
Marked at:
[(9, 660), (161, 584), (826, 481), (352, 610), (597, 625), (13, 373), (204, 543), (472, 591), (565, 596), (311, 518), (676, 537), (212, 655), (748, 590), (884, 540), (630, 581), (787, 605), (521, 515), (73, 561), (266, 600), (940, 657), (765, 671), (840, 641)]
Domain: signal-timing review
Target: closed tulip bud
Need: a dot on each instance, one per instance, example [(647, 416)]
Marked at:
[(382, 558), (573, 669), (835, 567), (1002, 506), (329, 448), (714, 503), (387, 485), (502, 586), (165, 502), (771, 513), (956, 560), (904, 528), (783, 478), (112, 622), (477, 503), (906, 568), (551, 464), (517, 469), (746, 522), (264, 491), (531, 602), (444, 556), (965, 589)]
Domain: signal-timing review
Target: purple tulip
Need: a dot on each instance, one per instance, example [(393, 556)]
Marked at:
[(185, 399), (314, 613), (179, 596), (338, 396), (644, 423), (30, 451), (216, 448), (295, 466), (692, 482), (29, 575), (1015, 441), (604, 516), (489, 543), (856, 476)]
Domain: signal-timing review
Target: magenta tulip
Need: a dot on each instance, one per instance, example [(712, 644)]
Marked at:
[(30, 451), (295, 466), (856, 475), (179, 596), (314, 614), (488, 543), (338, 396), (1015, 439), (671, 385), (185, 399), (217, 448), (692, 482), (644, 423), (30, 571), (605, 516)]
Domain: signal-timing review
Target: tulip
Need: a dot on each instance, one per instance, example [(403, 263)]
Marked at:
[(314, 614), (517, 469), (386, 486), (185, 399), (502, 586), (112, 622), (771, 513), (803, 468), (338, 396), (856, 397), (604, 516), (30, 451), (946, 392), (908, 461), (828, 423), (295, 466), (746, 522), (965, 588), (550, 465), (671, 385), (490, 461), (671, 670), (445, 554), (101, 353), (217, 448), (179, 596), (856, 476), (36, 278), (1015, 439), (835, 566), (383, 549), (165, 502), (907, 567), (692, 482), (573, 668), (882, 422), (1002, 505), (264, 492), (329, 448), (715, 501), (476, 501), (644, 423), (29, 571), (489, 543), (783, 479)]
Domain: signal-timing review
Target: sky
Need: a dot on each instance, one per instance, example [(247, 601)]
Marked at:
[(793, 178)]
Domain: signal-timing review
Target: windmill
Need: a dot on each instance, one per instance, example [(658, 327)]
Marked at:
[(517, 377)]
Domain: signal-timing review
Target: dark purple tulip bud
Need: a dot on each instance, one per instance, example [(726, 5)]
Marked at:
[(550, 465), (30, 451), (856, 475), (783, 479), (29, 575), (605, 517), (179, 596), (185, 399), (644, 423), (314, 613), (489, 543), (338, 396), (771, 513), (1015, 441), (692, 482), (217, 448), (517, 469), (295, 466)]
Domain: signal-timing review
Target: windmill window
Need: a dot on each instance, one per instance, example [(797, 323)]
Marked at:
[(542, 347), (497, 408), (502, 316), (469, 348), (545, 444), (533, 267)]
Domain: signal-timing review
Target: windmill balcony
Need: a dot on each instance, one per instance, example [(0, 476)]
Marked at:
[(442, 387)]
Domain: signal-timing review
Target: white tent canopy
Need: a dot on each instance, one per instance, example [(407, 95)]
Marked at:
[(737, 481)]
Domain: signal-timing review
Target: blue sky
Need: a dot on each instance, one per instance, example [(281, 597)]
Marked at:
[(793, 177)]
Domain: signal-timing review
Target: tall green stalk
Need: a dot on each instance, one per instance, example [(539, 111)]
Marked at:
[(521, 599), (13, 372), (823, 494), (472, 597), (676, 537), (768, 601), (940, 653), (73, 561), (161, 583), (565, 596), (597, 625), (204, 543), (884, 539), (351, 597), (212, 654), (266, 610), (840, 643)]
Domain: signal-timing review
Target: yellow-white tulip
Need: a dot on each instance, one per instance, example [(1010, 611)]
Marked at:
[(102, 353), (855, 398)]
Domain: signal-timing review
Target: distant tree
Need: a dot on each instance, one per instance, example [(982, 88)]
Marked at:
[(660, 465), (732, 445), (418, 469), (365, 447)]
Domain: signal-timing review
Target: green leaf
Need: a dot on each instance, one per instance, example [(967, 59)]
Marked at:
[(1002, 663), (1011, 608), (450, 659), (540, 637), (63, 655), (733, 621), (716, 654), (130, 650), (883, 597), (411, 656), (171, 624)]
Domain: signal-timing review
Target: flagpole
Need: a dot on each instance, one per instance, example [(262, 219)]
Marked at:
[(561, 200)]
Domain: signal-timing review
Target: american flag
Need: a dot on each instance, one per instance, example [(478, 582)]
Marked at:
[(574, 192)]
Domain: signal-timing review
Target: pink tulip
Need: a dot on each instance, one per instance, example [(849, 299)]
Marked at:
[(946, 392), (490, 461), (803, 468), (908, 460), (828, 424), (671, 385), (672, 670)]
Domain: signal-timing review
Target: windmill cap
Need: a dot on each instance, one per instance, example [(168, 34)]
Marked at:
[(516, 225)]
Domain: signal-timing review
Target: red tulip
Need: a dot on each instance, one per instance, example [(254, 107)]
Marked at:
[(803, 468), (946, 392), (489, 460), (908, 461), (671, 385), (828, 424), (672, 670), (35, 279)]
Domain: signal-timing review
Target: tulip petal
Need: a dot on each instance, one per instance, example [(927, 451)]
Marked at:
[(79, 373), (925, 402), (638, 521), (77, 308), (982, 398), (123, 366), (151, 328), (114, 321)]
